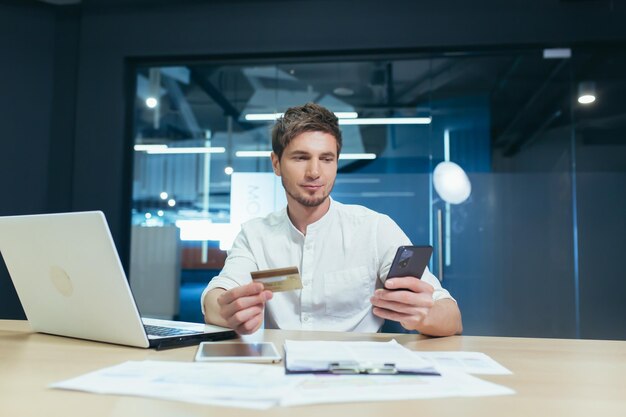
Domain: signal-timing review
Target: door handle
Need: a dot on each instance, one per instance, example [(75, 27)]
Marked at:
[(440, 245)]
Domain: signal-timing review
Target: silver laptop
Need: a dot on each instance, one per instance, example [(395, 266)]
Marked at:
[(70, 282)]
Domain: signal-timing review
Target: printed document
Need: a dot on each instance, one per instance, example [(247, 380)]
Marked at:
[(226, 384), (470, 362), (310, 356), (263, 386), (324, 388)]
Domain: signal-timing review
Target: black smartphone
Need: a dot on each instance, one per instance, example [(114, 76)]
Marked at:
[(410, 261)]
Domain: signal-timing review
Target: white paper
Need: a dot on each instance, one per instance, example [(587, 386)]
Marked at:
[(470, 362), (233, 384), (363, 388), (317, 355), (263, 386)]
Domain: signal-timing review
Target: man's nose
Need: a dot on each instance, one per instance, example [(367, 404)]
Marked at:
[(313, 169)]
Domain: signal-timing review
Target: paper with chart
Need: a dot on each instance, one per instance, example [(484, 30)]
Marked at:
[(227, 384), (476, 363)]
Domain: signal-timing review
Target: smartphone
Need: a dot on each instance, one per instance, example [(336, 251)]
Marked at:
[(410, 261), (237, 352)]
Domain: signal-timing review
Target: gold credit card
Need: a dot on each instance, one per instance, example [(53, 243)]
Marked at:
[(281, 279)]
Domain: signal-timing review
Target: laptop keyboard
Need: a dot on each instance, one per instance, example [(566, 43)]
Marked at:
[(167, 331)]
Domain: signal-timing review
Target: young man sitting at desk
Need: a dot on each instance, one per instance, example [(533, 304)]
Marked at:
[(343, 252)]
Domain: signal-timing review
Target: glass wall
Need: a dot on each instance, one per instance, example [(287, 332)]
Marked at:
[(489, 157)]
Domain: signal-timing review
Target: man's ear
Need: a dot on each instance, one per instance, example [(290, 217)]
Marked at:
[(275, 164)]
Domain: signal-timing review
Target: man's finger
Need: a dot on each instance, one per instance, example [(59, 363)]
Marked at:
[(422, 299), (409, 283), (399, 317), (229, 296), (237, 319), (409, 309), (242, 303), (251, 325)]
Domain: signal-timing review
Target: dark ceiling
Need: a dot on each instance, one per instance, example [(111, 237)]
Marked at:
[(527, 94)]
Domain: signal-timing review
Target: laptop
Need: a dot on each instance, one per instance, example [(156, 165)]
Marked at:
[(70, 281)]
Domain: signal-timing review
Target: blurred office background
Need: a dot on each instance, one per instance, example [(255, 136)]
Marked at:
[(158, 113)]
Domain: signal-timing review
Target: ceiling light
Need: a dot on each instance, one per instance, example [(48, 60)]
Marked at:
[(343, 91), (353, 156), (252, 154), (346, 114), (164, 149), (163, 195), (387, 121), (265, 154), (229, 170), (266, 117), (262, 117), (586, 99), (557, 53), (586, 92), (191, 150), (171, 202), (145, 148)]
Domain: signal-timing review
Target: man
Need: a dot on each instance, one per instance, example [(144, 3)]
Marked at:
[(343, 252)]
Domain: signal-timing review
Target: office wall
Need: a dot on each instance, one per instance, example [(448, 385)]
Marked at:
[(76, 101), (38, 46), (27, 51), (110, 34)]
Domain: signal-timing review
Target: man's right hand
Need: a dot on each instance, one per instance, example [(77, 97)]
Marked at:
[(242, 307)]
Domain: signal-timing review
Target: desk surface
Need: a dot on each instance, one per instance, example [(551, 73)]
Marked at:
[(552, 377)]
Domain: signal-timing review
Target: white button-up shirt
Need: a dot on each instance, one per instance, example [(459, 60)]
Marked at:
[(342, 259)]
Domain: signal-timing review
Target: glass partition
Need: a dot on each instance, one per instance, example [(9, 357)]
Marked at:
[(489, 157)]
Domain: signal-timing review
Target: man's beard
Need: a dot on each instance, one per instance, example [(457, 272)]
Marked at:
[(304, 200)]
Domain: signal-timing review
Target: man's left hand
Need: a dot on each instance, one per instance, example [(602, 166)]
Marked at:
[(407, 300)]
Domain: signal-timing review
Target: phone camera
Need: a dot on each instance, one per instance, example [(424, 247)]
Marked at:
[(405, 257)]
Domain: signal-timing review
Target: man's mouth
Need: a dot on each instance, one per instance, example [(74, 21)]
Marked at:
[(312, 186)]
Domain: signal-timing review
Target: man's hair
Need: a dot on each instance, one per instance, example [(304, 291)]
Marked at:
[(308, 118)]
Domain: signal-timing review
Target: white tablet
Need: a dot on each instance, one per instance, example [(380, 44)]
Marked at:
[(237, 351)]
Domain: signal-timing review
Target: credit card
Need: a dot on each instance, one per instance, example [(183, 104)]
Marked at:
[(281, 279)]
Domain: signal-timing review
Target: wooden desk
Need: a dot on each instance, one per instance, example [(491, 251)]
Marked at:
[(552, 377)]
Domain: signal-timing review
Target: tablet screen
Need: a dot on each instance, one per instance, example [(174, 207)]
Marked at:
[(237, 351)]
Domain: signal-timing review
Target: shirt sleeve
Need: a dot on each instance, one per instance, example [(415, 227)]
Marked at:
[(440, 293), (389, 238), (236, 272)]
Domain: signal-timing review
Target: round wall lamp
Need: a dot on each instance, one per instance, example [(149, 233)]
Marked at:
[(451, 183), (152, 102)]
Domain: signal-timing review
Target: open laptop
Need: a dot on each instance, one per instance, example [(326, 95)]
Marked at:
[(70, 281)]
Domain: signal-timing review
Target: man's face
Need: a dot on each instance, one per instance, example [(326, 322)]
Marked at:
[(308, 168)]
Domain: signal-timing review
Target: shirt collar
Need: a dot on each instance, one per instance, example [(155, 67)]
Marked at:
[(313, 227), (325, 218)]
